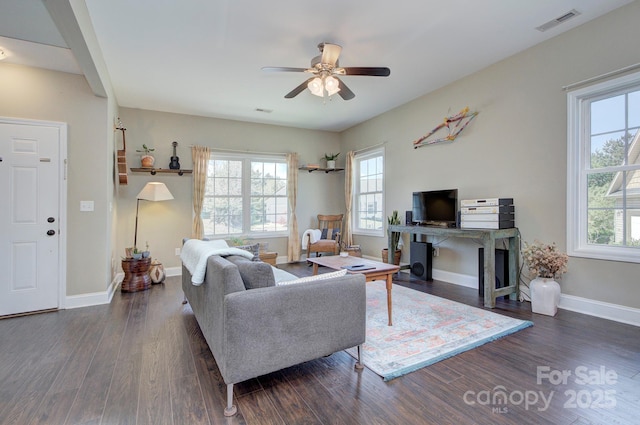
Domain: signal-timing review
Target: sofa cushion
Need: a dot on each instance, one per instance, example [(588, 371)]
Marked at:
[(314, 278), (255, 274)]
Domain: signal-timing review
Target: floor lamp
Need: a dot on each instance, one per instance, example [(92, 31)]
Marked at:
[(152, 191)]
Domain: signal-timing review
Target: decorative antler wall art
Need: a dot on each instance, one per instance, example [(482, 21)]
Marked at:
[(461, 120)]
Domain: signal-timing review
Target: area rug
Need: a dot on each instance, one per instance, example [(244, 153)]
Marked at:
[(426, 329)]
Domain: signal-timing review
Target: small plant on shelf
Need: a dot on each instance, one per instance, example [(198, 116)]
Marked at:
[(147, 150), (146, 161), (331, 159)]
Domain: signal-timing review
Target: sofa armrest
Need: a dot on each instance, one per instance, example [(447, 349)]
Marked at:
[(268, 329)]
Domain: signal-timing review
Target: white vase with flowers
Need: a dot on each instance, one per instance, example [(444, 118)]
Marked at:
[(548, 264)]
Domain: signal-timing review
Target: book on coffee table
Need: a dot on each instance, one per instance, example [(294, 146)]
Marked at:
[(358, 267)]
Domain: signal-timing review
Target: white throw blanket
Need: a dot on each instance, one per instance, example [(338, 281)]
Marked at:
[(315, 234), (195, 253)]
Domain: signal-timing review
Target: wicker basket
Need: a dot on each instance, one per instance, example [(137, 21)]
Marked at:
[(136, 275)]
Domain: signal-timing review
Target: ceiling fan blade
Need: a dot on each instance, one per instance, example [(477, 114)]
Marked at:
[(282, 69), (345, 92), (293, 93), (330, 53), (371, 71)]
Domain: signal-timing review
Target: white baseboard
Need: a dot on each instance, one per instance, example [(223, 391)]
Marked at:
[(173, 271), (465, 280), (603, 310), (609, 311), (94, 298), (615, 312), (98, 298)]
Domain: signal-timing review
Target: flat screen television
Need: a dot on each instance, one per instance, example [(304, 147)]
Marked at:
[(435, 207)]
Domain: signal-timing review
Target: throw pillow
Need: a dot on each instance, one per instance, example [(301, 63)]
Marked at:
[(254, 274), (254, 249), (325, 234), (314, 278)]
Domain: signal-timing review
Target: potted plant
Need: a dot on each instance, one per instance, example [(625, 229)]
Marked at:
[(237, 241), (331, 160), (393, 219), (146, 160), (546, 263)]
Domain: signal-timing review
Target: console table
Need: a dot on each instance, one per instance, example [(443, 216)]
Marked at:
[(488, 239)]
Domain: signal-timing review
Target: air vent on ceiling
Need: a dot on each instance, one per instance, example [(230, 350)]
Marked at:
[(559, 20)]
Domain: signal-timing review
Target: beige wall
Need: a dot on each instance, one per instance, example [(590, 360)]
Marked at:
[(516, 147), (39, 94), (164, 224)]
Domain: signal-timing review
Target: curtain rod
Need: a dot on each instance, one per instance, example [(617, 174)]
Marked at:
[(369, 147), (248, 151), (602, 76)]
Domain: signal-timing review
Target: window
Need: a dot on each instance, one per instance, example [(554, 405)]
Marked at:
[(368, 202), (603, 205), (245, 196)]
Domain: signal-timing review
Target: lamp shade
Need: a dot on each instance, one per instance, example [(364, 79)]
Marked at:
[(155, 191)]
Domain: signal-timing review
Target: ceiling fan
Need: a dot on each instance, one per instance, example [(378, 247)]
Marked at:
[(325, 70)]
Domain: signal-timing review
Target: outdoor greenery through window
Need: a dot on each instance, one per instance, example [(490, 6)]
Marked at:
[(245, 196), (369, 193), (604, 170)]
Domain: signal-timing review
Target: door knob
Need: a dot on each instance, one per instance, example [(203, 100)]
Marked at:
[(51, 219), (51, 232)]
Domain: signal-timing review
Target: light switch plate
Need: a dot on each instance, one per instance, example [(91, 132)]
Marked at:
[(86, 205)]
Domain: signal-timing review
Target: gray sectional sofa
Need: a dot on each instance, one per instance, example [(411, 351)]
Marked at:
[(254, 327)]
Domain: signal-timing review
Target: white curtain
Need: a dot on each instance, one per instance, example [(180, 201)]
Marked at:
[(347, 237), (293, 246), (200, 155)]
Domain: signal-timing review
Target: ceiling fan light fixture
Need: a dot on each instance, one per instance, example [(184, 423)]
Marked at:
[(331, 85), (325, 71), (316, 87)]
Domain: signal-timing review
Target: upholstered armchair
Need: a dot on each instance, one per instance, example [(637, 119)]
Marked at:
[(331, 231)]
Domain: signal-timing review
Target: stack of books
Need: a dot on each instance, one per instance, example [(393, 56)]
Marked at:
[(490, 213)]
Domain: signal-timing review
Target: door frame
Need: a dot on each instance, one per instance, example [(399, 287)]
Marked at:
[(62, 197)]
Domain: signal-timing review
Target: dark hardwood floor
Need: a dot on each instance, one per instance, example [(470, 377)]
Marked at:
[(143, 360)]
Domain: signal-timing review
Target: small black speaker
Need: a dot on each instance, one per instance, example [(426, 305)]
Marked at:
[(408, 218), (502, 270), (421, 258)]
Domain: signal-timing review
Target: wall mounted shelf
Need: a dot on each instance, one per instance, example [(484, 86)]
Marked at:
[(153, 171), (326, 170)]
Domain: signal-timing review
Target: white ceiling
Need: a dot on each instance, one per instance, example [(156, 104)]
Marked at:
[(205, 57)]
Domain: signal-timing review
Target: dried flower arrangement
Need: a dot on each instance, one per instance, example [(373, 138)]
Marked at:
[(544, 260)]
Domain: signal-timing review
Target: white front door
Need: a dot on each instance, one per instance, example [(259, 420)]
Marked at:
[(29, 217)]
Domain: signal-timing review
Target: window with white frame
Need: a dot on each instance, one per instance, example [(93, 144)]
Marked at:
[(603, 205), (245, 195), (368, 201)]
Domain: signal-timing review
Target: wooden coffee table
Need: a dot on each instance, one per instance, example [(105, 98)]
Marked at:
[(379, 271)]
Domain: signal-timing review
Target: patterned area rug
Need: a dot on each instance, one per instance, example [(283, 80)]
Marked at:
[(426, 329)]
